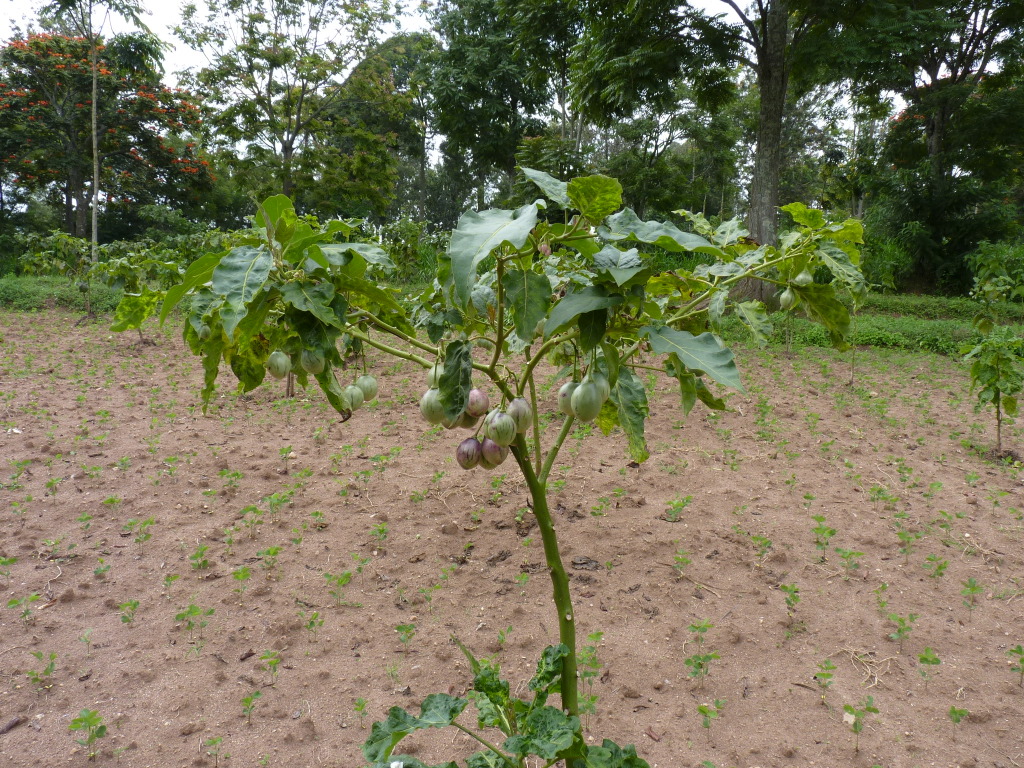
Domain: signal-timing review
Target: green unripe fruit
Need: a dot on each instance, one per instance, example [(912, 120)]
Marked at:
[(586, 401), (430, 406), (804, 279), (502, 429), (312, 361), (788, 299), (521, 412), (368, 385), (468, 421), (434, 375), (602, 383), (204, 332), (354, 395), (279, 364), (565, 397)]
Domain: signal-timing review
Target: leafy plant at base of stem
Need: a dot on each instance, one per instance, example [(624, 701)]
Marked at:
[(997, 376), (823, 677), (709, 713), (249, 705), (926, 659), (42, 679), (90, 721), (971, 590), (904, 626), (578, 288), (857, 714)]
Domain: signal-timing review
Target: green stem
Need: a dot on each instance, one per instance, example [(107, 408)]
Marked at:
[(559, 579), (536, 426), (486, 743), (500, 323), (556, 446)]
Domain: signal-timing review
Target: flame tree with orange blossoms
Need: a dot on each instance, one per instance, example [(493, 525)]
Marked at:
[(144, 128)]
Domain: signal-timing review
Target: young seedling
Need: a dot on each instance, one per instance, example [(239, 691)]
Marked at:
[(380, 534), (823, 677), (242, 576), (360, 709), (850, 560), (700, 662), (169, 579), (336, 583), (268, 560), (139, 530), (971, 590), (90, 721), (252, 518), (879, 593), (1017, 655), (42, 679), (5, 568), (936, 566), (792, 592), (589, 668), (213, 749), (927, 658), (855, 717), (271, 660), (86, 639), (956, 715), (907, 540), (194, 618), (710, 712), (405, 634), (313, 623), (128, 609), (198, 558), (249, 705), (25, 604), (676, 507), (822, 535), (904, 626), (679, 562)]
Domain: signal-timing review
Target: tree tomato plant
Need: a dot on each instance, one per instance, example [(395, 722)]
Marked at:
[(514, 290)]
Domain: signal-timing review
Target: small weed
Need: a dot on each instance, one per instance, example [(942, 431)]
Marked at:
[(857, 714), (91, 722), (249, 705)]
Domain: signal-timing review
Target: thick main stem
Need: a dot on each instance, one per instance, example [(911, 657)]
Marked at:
[(559, 578)]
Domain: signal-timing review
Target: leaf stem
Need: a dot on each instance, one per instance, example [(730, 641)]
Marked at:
[(487, 744), (555, 447)]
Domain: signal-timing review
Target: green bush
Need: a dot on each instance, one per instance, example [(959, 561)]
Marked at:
[(34, 293)]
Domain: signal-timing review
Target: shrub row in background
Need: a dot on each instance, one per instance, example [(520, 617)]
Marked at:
[(34, 293)]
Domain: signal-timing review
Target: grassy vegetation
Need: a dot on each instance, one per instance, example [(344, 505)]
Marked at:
[(26, 294)]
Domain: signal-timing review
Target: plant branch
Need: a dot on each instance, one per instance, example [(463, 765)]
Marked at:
[(555, 447), (486, 743)]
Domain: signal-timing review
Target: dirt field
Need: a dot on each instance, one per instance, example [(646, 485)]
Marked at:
[(99, 436)]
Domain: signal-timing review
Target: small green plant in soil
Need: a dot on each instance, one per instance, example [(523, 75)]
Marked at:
[(249, 703), (927, 660), (198, 558), (823, 677), (700, 662), (958, 715), (851, 561), (792, 593), (904, 626), (680, 560), (42, 679), (971, 590), (936, 566), (406, 632), (215, 749), (709, 713), (25, 605), (1016, 655), (676, 507), (128, 609), (336, 583), (313, 623), (194, 618), (590, 667), (359, 707), (271, 661), (856, 716), (90, 721), (5, 568)]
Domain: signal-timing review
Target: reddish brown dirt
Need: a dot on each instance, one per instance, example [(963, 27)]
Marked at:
[(108, 430)]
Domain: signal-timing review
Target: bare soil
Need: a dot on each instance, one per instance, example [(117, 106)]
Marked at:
[(96, 431)]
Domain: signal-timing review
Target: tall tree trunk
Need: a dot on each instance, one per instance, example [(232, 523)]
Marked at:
[(94, 61), (772, 83)]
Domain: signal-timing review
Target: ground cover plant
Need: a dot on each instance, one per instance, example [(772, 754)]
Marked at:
[(641, 581)]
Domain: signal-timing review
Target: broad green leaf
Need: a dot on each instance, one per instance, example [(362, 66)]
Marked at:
[(339, 254), (134, 308), (246, 361), (687, 383), (716, 309), (212, 350), (611, 755), (547, 732), (237, 278), (370, 290), (572, 305), (479, 233), (851, 230), (492, 699), (483, 299), (198, 273), (592, 328), (333, 391), (706, 396), (312, 297), (595, 196), (728, 232), (820, 304), (438, 710), (698, 353), (272, 209), (842, 268), (808, 217), (457, 379), (630, 400), (755, 318), (610, 361), (486, 759), (528, 294), (549, 185), (621, 266), (548, 678), (1010, 405), (626, 225)]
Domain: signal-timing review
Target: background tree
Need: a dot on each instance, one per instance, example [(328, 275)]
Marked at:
[(46, 125), (274, 67)]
